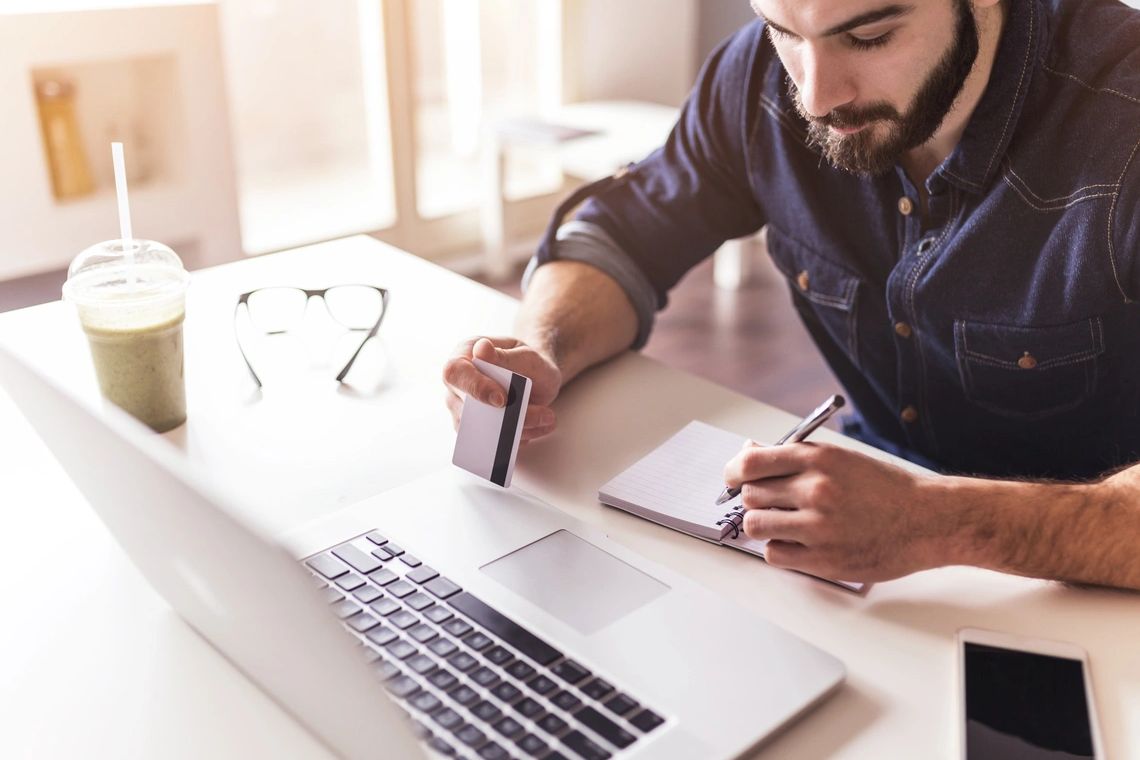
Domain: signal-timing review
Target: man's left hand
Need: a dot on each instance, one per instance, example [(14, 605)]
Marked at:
[(835, 513)]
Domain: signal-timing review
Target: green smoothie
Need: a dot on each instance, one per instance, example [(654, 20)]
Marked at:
[(141, 371)]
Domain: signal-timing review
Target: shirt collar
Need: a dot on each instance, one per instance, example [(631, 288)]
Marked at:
[(973, 162)]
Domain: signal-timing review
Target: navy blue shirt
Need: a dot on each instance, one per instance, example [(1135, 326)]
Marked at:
[(1004, 337)]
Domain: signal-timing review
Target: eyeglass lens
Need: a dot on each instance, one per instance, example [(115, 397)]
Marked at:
[(277, 310)]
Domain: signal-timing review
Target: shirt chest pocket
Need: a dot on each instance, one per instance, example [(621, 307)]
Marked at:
[(826, 294), (1028, 372)]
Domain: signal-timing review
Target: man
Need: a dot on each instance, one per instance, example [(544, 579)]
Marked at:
[(950, 188)]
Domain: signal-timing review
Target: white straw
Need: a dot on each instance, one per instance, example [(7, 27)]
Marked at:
[(124, 204)]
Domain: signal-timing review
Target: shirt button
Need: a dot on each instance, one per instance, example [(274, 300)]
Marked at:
[(803, 280), (1027, 361), (902, 329), (909, 415), (906, 206), (925, 245)]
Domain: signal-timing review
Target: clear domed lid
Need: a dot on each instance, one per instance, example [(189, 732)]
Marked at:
[(141, 270)]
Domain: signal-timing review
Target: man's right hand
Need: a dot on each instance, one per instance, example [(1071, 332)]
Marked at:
[(463, 378)]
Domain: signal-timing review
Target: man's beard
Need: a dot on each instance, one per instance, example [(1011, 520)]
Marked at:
[(860, 153)]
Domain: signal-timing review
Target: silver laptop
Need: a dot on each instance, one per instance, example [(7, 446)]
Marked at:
[(444, 617)]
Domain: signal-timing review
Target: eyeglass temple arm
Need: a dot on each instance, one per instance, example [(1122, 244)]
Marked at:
[(371, 334), (237, 339)]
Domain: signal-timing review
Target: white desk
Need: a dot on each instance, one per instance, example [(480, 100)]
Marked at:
[(93, 663)]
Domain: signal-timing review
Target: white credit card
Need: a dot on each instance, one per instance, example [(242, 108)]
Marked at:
[(488, 440)]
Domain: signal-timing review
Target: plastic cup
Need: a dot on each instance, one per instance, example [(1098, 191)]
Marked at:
[(131, 304)]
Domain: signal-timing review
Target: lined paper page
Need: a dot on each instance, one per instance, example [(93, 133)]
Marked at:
[(677, 483)]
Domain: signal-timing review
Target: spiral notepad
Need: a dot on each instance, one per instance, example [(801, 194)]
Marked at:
[(677, 483)]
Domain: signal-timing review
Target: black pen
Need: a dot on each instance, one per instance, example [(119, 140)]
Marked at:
[(797, 434)]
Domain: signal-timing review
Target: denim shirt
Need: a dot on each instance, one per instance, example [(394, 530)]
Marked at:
[(1003, 338)]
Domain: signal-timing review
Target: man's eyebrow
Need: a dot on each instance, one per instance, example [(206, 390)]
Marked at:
[(870, 17)]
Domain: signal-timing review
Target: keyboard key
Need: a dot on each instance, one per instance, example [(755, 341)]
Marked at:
[(442, 747), (443, 647), (381, 553), (345, 609), (532, 745), (442, 587), (327, 565), (411, 561), (507, 692), (368, 594), (597, 688), (362, 622), (426, 702), (584, 747), (438, 614), (499, 655), (492, 751), (421, 663), (402, 686), (570, 671), (422, 732), (382, 635), (458, 627), (401, 649), (422, 574), (477, 641), (520, 670), (400, 589), (605, 728), (350, 581), (376, 538), (485, 677), (528, 708), (505, 628), (422, 632), (464, 694), (486, 711), (386, 670), (371, 655), (509, 727), (395, 550), (541, 685), (447, 718), (647, 720), (552, 724), (620, 704), (331, 594), (403, 620), (462, 661), (383, 577), (419, 601), (470, 736), (358, 560), (443, 679), (566, 700), (385, 607)]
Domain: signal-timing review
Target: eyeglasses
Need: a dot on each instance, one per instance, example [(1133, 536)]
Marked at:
[(277, 310)]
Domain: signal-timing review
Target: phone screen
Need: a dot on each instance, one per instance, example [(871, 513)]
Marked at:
[(1024, 705)]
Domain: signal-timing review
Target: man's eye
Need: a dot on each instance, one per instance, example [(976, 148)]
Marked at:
[(775, 33), (866, 43)]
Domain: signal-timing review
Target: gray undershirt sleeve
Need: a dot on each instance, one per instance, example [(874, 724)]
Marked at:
[(590, 244)]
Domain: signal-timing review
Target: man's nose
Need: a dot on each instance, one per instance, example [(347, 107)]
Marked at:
[(825, 84)]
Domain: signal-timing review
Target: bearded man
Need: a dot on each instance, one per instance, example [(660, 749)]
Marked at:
[(950, 188)]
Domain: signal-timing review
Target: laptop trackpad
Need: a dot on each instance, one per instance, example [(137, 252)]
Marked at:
[(575, 581)]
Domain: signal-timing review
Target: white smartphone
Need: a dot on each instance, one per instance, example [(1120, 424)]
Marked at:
[(1025, 698)]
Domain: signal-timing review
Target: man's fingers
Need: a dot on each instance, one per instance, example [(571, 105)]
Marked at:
[(465, 379), (538, 417), (787, 554), (756, 462), (777, 525)]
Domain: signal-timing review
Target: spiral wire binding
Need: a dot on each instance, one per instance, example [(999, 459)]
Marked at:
[(734, 519)]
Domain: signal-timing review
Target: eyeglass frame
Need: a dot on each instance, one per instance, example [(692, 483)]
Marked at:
[(312, 293)]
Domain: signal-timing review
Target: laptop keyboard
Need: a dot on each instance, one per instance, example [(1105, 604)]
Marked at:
[(474, 683)]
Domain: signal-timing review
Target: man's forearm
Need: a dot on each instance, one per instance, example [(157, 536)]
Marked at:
[(1079, 533), (577, 315)]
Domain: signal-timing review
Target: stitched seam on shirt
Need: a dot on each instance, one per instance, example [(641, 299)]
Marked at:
[(1062, 361), (1025, 185), (1090, 88), (1111, 217), (970, 182), (1062, 207), (1020, 82)]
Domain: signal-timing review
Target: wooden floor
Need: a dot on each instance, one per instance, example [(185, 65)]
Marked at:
[(749, 340)]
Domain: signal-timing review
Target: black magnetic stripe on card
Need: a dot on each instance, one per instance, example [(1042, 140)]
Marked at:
[(507, 432)]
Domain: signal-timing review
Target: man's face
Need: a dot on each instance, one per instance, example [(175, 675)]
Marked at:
[(872, 78)]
